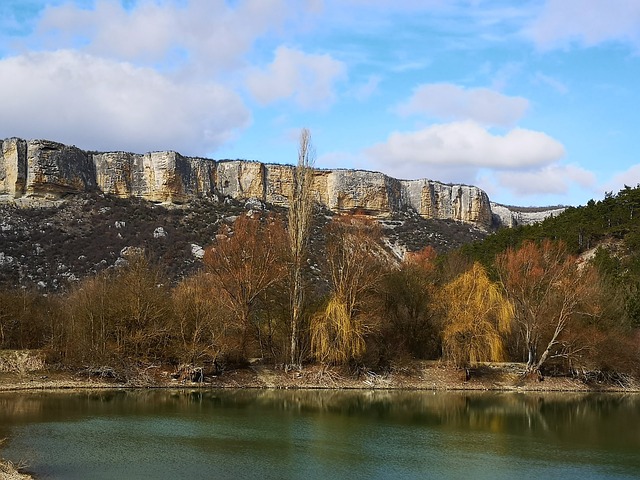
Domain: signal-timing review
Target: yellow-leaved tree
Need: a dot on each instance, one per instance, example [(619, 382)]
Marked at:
[(357, 263), (476, 316)]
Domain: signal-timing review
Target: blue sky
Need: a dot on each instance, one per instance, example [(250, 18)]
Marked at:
[(535, 101)]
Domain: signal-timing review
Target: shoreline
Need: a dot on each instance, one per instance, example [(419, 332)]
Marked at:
[(426, 376), (418, 376)]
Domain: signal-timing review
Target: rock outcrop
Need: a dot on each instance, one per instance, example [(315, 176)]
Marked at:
[(505, 216), (41, 168)]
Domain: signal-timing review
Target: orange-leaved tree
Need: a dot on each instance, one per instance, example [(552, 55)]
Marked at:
[(550, 293), (244, 263)]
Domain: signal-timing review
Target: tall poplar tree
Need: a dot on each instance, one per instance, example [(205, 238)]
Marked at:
[(300, 214)]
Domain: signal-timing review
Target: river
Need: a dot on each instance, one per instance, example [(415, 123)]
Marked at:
[(321, 434)]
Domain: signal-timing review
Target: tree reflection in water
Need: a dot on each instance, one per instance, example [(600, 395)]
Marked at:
[(403, 433)]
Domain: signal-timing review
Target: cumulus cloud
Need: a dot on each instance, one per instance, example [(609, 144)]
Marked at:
[(630, 177), (155, 74), (452, 102), (552, 179), (309, 79), (206, 35), (104, 104), (586, 22), (467, 144)]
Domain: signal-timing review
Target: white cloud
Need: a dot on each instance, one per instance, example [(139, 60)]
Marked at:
[(309, 79), (552, 179), (586, 22), (467, 144), (129, 38), (103, 104), (206, 35), (401, 5), (505, 75), (366, 90), (452, 102), (557, 85), (630, 177)]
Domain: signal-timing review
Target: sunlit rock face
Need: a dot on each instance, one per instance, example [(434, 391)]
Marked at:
[(40, 168), (44, 168), (515, 216), (456, 202), (156, 176), (13, 167)]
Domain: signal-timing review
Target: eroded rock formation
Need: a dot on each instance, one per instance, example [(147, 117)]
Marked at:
[(44, 168)]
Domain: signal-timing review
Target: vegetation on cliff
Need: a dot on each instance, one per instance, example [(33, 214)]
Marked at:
[(524, 295)]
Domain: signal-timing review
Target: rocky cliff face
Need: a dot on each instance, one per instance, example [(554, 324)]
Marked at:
[(41, 168), (514, 216)]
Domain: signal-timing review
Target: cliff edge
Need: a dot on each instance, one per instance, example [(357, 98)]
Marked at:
[(42, 168)]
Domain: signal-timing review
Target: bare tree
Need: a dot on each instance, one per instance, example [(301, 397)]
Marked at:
[(89, 326), (357, 263), (550, 293), (300, 214), (410, 313), (244, 263), (201, 331), (122, 313), (141, 308)]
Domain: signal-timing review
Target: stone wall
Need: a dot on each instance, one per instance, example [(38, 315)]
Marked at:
[(48, 169)]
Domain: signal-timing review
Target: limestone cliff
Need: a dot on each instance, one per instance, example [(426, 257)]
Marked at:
[(38, 168), (514, 216)]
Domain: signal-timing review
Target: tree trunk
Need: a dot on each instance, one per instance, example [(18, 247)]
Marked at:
[(552, 342), (532, 357)]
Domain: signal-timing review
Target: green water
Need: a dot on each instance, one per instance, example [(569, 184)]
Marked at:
[(264, 434)]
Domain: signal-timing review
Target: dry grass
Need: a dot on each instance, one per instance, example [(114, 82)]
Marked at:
[(20, 361), (415, 375), (10, 471)]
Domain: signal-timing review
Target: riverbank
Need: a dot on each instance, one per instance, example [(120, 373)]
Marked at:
[(8, 471), (419, 375)]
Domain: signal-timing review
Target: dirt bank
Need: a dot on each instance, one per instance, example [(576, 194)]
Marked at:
[(416, 376)]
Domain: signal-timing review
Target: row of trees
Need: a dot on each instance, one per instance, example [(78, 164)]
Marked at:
[(608, 230), (538, 306), (260, 294), (544, 305)]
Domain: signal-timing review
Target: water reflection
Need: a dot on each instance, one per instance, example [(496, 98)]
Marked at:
[(351, 434)]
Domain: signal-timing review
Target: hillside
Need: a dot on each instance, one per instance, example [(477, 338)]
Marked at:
[(120, 281), (50, 245), (606, 232), (617, 217)]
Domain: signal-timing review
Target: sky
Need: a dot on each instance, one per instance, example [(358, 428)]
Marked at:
[(535, 101)]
